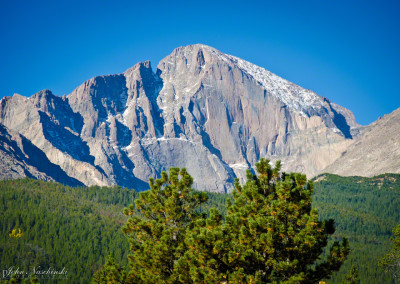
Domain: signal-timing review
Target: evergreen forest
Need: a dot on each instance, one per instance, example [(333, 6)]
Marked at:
[(76, 228)]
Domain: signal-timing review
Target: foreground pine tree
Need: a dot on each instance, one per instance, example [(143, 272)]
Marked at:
[(110, 273), (271, 235), (157, 227)]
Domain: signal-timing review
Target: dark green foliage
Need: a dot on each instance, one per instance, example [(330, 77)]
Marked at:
[(352, 277), (365, 210), (62, 227), (217, 201), (271, 234), (391, 261), (110, 273), (206, 260), (157, 227), (19, 280)]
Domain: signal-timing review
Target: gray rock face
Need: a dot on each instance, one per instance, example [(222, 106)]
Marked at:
[(242, 112), (376, 152), (210, 112), (20, 158)]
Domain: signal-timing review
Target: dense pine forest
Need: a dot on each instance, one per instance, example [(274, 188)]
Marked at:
[(365, 211), (77, 228), (62, 226)]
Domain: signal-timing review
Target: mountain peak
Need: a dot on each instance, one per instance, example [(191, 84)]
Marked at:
[(43, 93), (212, 113), (199, 60), (140, 65)]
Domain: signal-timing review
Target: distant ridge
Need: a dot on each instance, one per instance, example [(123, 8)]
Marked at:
[(377, 150)]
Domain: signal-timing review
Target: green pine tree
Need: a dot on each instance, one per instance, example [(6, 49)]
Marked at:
[(207, 259), (391, 261), (157, 227), (271, 235), (110, 273), (352, 277)]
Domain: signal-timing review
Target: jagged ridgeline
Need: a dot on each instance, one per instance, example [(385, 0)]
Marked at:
[(212, 113), (78, 227)]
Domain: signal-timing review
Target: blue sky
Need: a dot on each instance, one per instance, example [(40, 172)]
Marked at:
[(347, 51)]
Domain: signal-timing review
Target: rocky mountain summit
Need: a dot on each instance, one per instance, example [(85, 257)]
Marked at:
[(210, 112)]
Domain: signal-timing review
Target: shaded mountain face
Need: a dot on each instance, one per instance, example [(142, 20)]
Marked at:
[(20, 158), (210, 112), (377, 151)]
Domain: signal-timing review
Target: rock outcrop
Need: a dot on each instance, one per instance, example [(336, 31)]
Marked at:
[(20, 158), (210, 112), (376, 152)]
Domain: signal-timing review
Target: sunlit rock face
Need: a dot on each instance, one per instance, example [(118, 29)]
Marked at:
[(20, 158), (210, 112), (376, 151)]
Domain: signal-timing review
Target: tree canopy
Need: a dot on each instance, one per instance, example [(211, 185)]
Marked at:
[(157, 227), (110, 273), (270, 233)]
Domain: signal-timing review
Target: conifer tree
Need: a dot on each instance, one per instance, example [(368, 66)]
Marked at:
[(208, 254), (110, 273), (157, 227), (271, 234), (391, 261), (352, 277)]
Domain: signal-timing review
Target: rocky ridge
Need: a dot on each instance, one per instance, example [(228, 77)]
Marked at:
[(210, 112), (20, 158), (376, 152)]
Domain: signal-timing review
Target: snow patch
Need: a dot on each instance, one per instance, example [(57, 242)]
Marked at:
[(148, 141), (239, 166)]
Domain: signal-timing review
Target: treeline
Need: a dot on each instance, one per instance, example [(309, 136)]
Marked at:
[(78, 228)]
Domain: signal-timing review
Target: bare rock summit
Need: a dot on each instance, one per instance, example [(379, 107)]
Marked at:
[(210, 112)]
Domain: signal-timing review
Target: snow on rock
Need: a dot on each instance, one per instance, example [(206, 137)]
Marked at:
[(290, 94), (239, 166)]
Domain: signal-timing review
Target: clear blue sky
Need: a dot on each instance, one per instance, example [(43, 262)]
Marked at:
[(347, 51)]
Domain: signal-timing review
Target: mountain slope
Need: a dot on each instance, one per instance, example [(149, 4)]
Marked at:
[(210, 112), (365, 211), (245, 112), (20, 158), (74, 228), (376, 152)]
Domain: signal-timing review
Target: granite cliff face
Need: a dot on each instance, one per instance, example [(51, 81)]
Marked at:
[(20, 158), (210, 112)]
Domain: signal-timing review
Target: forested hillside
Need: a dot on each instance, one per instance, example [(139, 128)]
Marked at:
[(78, 227), (365, 211), (62, 226)]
